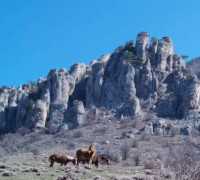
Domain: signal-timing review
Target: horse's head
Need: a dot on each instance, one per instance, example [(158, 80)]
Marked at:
[(92, 148)]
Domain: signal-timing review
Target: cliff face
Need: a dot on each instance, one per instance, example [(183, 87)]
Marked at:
[(194, 66), (146, 75)]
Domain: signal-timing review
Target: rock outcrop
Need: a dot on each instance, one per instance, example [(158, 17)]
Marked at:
[(75, 115), (95, 81), (61, 85), (145, 75), (194, 66)]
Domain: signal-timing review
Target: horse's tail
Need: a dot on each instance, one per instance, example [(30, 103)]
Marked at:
[(52, 157), (74, 161)]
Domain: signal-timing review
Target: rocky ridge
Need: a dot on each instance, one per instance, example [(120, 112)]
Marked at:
[(146, 75)]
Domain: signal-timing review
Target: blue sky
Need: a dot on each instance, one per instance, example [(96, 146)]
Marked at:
[(38, 35)]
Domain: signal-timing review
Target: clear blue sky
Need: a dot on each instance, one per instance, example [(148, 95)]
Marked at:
[(37, 35)]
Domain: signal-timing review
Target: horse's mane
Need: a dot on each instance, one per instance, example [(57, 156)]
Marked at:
[(92, 148)]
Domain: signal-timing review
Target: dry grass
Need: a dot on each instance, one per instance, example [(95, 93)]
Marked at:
[(130, 157)]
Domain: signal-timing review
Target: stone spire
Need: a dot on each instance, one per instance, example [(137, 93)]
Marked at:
[(141, 45), (165, 49)]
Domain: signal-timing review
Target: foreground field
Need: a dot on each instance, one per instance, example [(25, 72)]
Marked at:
[(29, 167), (134, 155)]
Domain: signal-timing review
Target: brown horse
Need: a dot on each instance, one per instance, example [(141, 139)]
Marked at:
[(61, 159), (98, 159), (86, 155), (103, 159)]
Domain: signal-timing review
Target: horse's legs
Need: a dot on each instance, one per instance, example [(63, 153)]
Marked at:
[(52, 162), (77, 163), (90, 162), (97, 164)]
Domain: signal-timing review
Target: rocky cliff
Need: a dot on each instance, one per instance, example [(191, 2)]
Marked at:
[(143, 75), (194, 66)]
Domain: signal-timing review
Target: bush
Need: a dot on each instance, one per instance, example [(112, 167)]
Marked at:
[(124, 124), (71, 146), (134, 143), (100, 131), (23, 131), (134, 124), (125, 150), (174, 131), (149, 164), (35, 152), (77, 134), (184, 162), (113, 156), (136, 159), (144, 137)]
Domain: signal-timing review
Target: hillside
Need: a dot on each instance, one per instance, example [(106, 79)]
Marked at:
[(139, 105)]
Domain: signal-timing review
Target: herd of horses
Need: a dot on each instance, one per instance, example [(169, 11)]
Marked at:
[(83, 156)]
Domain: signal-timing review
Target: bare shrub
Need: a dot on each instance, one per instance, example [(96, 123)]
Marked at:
[(125, 149), (78, 134), (174, 131), (136, 159), (23, 131), (134, 143), (151, 164), (124, 124), (134, 124), (71, 145), (159, 156), (113, 156), (184, 162), (91, 116), (144, 137), (10, 142), (166, 144), (35, 152), (100, 131), (195, 133)]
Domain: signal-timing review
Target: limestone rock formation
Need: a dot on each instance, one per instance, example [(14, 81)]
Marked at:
[(194, 66), (75, 115), (61, 86), (142, 75), (118, 89), (4, 96), (95, 81), (164, 52), (141, 46)]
